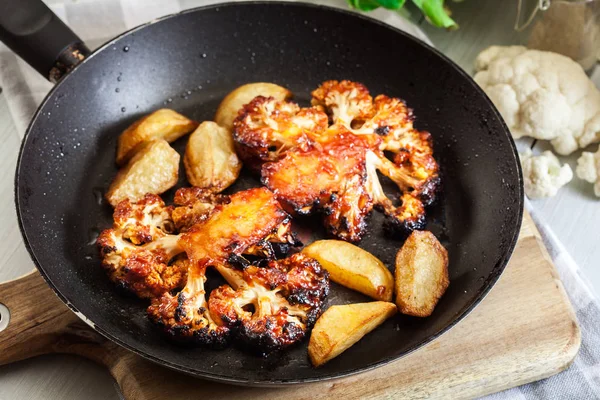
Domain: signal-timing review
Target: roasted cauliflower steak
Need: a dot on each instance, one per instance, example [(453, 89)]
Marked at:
[(326, 158), (269, 303)]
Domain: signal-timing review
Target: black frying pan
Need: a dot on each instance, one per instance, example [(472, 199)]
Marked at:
[(189, 62)]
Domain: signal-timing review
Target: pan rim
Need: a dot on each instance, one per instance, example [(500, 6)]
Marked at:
[(491, 281)]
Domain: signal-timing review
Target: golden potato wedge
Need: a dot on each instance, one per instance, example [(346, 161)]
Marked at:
[(231, 104), (341, 326), (154, 169), (210, 160), (421, 274), (161, 124), (353, 267)]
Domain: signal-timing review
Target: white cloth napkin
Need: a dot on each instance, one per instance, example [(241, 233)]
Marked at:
[(97, 21)]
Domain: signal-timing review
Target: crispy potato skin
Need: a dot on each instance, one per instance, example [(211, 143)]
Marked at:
[(340, 327), (353, 267), (210, 160), (161, 124), (154, 169), (421, 274), (235, 100)]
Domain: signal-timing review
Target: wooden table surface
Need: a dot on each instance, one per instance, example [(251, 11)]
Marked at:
[(574, 215)]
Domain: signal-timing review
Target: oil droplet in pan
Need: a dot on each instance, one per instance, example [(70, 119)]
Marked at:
[(98, 195), (93, 236)]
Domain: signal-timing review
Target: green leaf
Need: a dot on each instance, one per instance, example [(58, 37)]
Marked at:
[(363, 5), (369, 5), (435, 13), (391, 4)]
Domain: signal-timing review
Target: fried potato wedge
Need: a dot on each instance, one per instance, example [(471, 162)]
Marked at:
[(210, 160), (353, 267), (421, 274), (154, 169), (233, 102), (161, 124), (342, 326)]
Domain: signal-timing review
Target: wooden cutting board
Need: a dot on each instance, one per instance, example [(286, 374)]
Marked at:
[(523, 331)]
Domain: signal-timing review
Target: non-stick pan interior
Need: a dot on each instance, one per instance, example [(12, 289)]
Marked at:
[(188, 62)]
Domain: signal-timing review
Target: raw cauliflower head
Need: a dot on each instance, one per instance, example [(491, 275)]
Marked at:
[(541, 95), (588, 169), (543, 174)]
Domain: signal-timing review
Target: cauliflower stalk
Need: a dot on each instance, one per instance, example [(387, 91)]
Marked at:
[(543, 174), (541, 95), (588, 169)]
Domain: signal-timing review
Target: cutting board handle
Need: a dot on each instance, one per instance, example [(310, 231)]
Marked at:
[(36, 320), (40, 323)]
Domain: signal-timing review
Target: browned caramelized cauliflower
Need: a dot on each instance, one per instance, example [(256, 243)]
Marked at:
[(313, 165), (248, 223), (269, 128), (140, 253), (185, 316), (271, 307), (194, 205)]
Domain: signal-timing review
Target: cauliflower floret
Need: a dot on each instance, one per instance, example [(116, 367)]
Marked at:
[(543, 174), (271, 307), (140, 253), (346, 102), (185, 316), (542, 95), (194, 205), (410, 214), (266, 127), (588, 169), (148, 270), (143, 221)]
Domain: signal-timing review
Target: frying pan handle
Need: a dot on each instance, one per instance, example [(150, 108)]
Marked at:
[(38, 36)]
